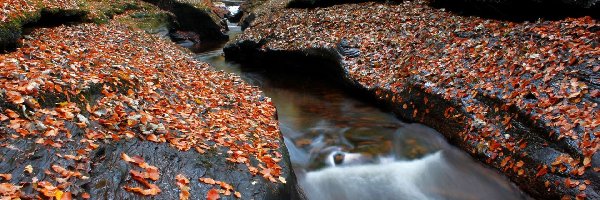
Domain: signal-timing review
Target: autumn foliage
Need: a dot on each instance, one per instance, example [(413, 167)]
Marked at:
[(113, 82), (495, 73)]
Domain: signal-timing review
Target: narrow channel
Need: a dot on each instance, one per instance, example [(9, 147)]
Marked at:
[(344, 148)]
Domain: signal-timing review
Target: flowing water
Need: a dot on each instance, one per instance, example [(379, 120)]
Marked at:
[(343, 148)]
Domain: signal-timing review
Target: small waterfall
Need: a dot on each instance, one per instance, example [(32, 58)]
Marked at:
[(342, 148), (444, 173)]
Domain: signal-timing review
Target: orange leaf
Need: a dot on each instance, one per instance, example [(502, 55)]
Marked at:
[(15, 97), (154, 190), (153, 173), (126, 158), (182, 182), (66, 196), (212, 194), (12, 114), (6, 176), (542, 171), (208, 181)]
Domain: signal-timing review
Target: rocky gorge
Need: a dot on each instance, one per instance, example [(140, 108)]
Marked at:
[(520, 96), (98, 99)]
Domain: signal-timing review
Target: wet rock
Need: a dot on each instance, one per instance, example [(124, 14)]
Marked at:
[(10, 32), (236, 17), (202, 21), (181, 36), (73, 147), (186, 43), (108, 173), (346, 50), (246, 20), (539, 149)]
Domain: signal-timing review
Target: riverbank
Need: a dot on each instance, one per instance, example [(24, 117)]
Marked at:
[(108, 111), (193, 17), (521, 97)]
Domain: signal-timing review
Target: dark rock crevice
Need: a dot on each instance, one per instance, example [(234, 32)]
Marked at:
[(538, 146), (53, 18), (522, 10), (12, 31), (199, 20), (326, 3)]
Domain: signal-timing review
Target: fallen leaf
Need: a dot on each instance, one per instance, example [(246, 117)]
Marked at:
[(6, 176), (15, 97), (208, 180), (212, 194)]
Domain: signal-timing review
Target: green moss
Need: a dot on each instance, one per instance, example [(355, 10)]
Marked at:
[(11, 31), (152, 21), (149, 17), (103, 11)]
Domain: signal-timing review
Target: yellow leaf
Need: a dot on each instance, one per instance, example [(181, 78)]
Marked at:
[(58, 194)]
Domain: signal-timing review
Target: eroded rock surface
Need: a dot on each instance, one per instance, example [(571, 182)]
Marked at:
[(75, 99), (521, 97)]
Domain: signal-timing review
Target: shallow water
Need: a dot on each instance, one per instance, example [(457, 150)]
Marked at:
[(343, 148)]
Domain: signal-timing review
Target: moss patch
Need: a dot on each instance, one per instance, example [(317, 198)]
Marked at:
[(147, 17)]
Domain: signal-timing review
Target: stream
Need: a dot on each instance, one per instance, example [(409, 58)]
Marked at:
[(344, 148)]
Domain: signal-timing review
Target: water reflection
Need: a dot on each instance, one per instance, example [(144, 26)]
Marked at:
[(342, 148)]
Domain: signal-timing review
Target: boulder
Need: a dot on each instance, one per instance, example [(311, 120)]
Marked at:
[(201, 20), (108, 173), (131, 121), (400, 63)]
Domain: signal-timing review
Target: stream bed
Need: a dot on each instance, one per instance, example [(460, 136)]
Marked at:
[(344, 148)]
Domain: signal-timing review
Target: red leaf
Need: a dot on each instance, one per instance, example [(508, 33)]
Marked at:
[(542, 171), (212, 194)]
